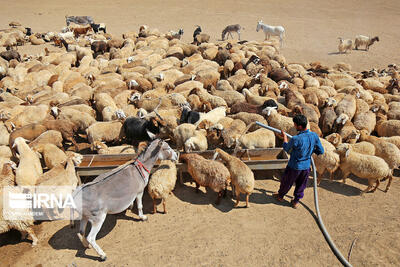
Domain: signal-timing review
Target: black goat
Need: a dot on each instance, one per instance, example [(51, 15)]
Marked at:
[(189, 116), (98, 27), (196, 32), (137, 129), (28, 31)]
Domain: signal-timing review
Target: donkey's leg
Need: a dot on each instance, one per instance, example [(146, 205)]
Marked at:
[(96, 226), (238, 32), (140, 206), (81, 234), (131, 205)]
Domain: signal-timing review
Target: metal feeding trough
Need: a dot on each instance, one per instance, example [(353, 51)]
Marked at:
[(256, 159)]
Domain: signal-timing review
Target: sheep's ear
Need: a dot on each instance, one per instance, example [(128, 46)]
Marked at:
[(344, 120), (347, 153)]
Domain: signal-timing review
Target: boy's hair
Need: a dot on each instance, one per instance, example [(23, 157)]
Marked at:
[(300, 120)]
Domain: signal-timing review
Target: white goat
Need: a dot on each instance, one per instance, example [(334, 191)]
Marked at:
[(174, 35), (345, 45), (271, 30)]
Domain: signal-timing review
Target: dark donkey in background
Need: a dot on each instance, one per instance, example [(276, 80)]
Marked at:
[(115, 191)]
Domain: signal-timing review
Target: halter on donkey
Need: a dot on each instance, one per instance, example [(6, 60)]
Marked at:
[(115, 191)]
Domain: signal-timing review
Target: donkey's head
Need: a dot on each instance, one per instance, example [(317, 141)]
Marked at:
[(259, 25), (163, 150), (166, 152)]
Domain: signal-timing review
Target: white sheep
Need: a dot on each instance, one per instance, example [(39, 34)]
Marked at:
[(242, 177), (162, 182), (212, 116), (364, 166), (328, 161), (197, 142), (29, 167), (108, 131)]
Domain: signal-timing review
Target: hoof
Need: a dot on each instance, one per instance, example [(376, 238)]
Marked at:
[(103, 258), (34, 244), (143, 218)]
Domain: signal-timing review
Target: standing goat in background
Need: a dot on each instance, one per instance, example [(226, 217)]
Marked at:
[(229, 29), (271, 30), (196, 32), (345, 45), (365, 40)]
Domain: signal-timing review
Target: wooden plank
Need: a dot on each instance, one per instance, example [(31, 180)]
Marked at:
[(94, 160), (253, 165)]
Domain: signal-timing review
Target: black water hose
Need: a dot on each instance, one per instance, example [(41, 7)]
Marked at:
[(321, 225)]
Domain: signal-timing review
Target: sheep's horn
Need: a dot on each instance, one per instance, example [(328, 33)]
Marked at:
[(158, 115)]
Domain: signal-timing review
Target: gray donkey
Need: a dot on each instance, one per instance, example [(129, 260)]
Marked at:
[(230, 29), (115, 191)]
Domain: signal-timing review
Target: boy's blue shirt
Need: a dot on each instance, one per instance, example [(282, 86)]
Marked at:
[(301, 147)]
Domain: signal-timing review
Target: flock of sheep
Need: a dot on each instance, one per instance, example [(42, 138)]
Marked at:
[(105, 94)]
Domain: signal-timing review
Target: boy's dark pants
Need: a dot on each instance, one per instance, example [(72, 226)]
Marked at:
[(291, 176)]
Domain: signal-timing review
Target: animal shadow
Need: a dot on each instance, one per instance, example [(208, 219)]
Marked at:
[(265, 197), (335, 53), (338, 187), (188, 194), (66, 237)]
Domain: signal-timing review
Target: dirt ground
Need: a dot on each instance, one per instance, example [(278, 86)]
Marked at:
[(195, 232)]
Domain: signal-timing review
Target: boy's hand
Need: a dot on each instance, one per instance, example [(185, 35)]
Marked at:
[(284, 136)]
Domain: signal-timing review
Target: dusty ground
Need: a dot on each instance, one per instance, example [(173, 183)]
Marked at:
[(195, 232)]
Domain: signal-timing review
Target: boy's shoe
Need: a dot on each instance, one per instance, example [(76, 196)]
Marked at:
[(294, 204), (276, 196)]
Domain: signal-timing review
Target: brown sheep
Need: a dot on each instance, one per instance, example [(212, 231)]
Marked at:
[(241, 175), (208, 173)]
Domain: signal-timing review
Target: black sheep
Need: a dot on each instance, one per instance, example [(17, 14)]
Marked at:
[(189, 116), (98, 27), (137, 129), (10, 54), (99, 48)]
